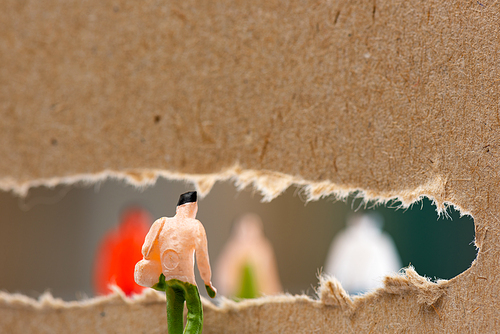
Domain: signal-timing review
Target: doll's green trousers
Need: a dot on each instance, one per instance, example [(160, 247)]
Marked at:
[(177, 292)]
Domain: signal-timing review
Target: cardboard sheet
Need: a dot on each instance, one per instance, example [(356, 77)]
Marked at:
[(398, 99)]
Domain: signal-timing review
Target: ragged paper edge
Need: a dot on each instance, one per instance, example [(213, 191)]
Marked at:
[(269, 184), (48, 302), (329, 294), (428, 292)]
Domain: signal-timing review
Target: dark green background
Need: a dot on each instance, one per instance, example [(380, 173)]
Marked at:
[(438, 247)]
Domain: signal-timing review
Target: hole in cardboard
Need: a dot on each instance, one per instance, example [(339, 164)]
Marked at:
[(48, 239)]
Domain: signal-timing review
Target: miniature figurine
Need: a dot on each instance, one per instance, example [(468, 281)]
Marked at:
[(247, 266), (119, 251), (168, 264), (362, 254)]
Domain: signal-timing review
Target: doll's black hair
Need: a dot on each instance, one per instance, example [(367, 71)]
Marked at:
[(188, 197)]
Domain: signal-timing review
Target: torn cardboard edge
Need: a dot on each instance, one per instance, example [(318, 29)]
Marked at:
[(268, 183), (329, 294)]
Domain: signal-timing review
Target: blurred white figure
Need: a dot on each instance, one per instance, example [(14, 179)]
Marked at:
[(247, 249), (362, 254)]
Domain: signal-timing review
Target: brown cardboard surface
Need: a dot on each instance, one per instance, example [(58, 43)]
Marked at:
[(399, 99)]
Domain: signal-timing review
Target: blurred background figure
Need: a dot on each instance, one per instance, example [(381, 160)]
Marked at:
[(56, 233), (119, 251), (246, 267), (362, 254)]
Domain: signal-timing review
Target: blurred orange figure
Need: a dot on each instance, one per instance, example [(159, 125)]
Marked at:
[(247, 266), (119, 251)]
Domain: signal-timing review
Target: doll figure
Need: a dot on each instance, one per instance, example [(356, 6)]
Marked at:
[(247, 266), (119, 251), (168, 264), (362, 255)]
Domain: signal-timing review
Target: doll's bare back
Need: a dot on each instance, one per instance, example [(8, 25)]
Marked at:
[(177, 243), (169, 249)]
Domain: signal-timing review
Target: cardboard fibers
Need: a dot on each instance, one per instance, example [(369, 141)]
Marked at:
[(395, 99)]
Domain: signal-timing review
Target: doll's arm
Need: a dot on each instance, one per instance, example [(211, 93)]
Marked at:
[(151, 238), (203, 261)]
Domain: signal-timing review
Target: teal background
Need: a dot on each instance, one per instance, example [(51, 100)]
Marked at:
[(438, 247)]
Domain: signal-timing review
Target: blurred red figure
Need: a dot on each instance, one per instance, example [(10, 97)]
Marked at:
[(119, 251)]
